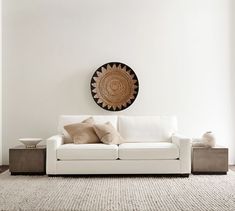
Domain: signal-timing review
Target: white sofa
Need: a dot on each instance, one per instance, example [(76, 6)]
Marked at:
[(151, 148)]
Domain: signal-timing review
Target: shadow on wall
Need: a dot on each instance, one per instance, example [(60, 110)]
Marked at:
[(232, 58)]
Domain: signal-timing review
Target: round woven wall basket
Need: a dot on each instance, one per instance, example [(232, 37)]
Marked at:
[(114, 86)]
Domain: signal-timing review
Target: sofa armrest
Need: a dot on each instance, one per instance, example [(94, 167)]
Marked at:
[(52, 144), (184, 145)]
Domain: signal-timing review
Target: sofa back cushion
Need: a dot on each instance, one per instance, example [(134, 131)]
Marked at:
[(71, 119), (147, 128)]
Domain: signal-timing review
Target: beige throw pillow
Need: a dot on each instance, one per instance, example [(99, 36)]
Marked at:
[(83, 133), (89, 120), (108, 134)]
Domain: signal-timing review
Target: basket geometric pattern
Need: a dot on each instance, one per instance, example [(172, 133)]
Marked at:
[(114, 86)]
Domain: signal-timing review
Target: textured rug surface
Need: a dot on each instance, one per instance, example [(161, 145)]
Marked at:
[(119, 193)]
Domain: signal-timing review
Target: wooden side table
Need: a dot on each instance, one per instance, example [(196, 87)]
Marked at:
[(209, 160), (27, 160)]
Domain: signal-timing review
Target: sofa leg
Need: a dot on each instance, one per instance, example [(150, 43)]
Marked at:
[(52, 175), (184, 175)]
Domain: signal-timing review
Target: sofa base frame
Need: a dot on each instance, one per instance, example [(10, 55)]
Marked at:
[(118, 167), (118, 175)]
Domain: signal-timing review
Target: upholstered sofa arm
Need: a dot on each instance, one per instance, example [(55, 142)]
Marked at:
[(52, 144), (184, 145)]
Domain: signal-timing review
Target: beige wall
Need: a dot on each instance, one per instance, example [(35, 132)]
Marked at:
[(0, 82), (179, 50), (232, 60)]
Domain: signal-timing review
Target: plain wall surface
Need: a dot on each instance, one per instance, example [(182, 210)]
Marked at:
[(232, 62), (180, 51), (1, 83)]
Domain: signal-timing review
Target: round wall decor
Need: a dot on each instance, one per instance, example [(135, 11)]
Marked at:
[(114, 86)]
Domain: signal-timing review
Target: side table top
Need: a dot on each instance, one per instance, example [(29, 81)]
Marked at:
[(40, 147), (216, 147)]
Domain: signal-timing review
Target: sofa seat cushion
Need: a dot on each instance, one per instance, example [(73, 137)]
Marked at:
[(148, 151), (87, 152)]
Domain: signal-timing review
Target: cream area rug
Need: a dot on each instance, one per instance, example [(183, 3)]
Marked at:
[(119, 193)]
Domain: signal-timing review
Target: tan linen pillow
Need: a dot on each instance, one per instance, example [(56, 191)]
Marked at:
[(82, 133), (107, 133), (89, 120)]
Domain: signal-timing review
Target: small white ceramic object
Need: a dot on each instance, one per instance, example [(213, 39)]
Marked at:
[(30, 142), (208, 139)]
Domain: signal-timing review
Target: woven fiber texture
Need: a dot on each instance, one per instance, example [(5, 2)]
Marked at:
[(114, 86), (119, 193)]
